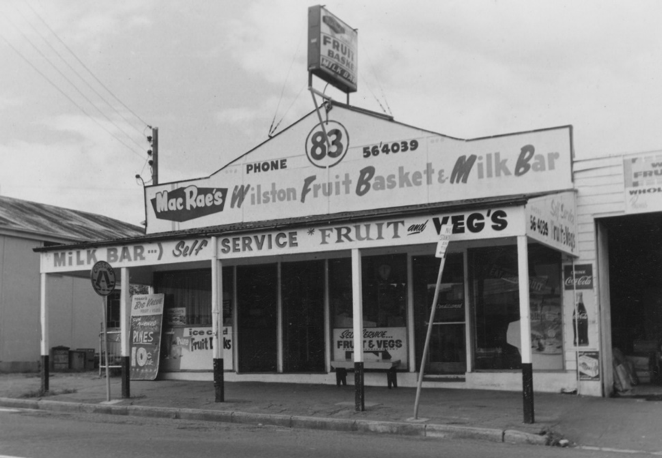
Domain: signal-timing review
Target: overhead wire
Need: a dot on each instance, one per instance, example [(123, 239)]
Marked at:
[(76, 72), (83, 65), (66, 95), (272, 129), (50, 62)]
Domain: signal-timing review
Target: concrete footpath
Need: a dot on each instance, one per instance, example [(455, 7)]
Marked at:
[(628, 424)]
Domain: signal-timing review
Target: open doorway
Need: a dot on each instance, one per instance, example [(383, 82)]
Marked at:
[(635, 289)]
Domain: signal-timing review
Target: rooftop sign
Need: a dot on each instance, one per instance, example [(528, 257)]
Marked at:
[(368, 163), (332, 49)]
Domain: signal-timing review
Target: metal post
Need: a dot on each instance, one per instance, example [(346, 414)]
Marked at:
[(217, 322), (155, 155), (428, 335), (125, 331), (525, 327), (357, 308), (45, 363), (105, 344)]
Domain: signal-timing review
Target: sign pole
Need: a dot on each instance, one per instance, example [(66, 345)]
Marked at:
[(427, 337), (103, 281), (440, 253), (104, 302)]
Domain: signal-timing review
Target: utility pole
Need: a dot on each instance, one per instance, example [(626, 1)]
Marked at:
[(155, 155)]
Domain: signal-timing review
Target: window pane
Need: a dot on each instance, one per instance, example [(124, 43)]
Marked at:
[(495, 293), (384, 291), (187, 296)]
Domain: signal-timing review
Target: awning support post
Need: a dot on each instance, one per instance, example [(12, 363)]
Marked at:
[(525, 327)]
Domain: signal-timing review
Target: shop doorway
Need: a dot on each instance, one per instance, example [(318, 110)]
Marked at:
[(302, 289), (447, 354), (635, 291), (257, 306)]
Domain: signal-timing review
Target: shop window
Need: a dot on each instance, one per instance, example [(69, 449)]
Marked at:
[(384, 291), (113, 309), (257, 297), (495, 295), (187, 296), (447, 350), (302, 289)]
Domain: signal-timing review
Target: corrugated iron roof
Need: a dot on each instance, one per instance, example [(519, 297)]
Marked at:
[(61, 223), (282, 224)]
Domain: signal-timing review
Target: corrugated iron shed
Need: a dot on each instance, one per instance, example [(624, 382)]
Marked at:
[(62, 224)]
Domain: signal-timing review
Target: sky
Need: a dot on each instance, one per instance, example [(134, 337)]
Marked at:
[(83, 83)]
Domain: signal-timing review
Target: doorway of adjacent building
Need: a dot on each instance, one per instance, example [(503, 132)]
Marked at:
[(447, 353), (257, 307), (635, 289), (302, 290)]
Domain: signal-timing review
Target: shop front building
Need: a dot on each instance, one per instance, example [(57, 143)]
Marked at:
[(320, 247)]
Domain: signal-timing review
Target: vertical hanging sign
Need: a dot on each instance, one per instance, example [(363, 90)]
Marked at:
[(146, 324)]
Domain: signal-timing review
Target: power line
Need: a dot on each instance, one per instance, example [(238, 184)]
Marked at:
[(78, 74), (71, 82), (65, 95), (84, 66)]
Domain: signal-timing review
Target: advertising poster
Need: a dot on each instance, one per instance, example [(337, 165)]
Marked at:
[(192, 348), (579, 300), (588, 365), (379, 344), (146, 322)]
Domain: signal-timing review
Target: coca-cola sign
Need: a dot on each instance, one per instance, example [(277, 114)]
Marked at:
[(582, 279)]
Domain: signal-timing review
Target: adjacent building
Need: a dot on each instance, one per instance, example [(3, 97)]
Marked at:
[(75, 311)]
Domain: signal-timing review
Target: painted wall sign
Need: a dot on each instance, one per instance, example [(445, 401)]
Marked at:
[(134, 255), (473, 225), (642, 176), (146, 323), (551, 221), (332, 49), (385, 165), (379, 344)]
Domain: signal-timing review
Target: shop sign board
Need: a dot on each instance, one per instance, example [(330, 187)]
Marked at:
[(551, 220), (379, 344), (134, 255), (192, 348), (332, 49), (357, 162), (643, 183), (146, 324), (469, 225)]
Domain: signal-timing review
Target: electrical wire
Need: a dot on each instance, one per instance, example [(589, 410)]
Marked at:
[(288, 109), (66, 95), (272, 129), (84, 66), (47, 59), (78, 74)]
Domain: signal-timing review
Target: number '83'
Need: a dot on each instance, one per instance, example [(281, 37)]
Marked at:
[(327, 147)]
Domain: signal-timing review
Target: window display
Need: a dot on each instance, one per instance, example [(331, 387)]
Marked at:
[(494, 290)]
